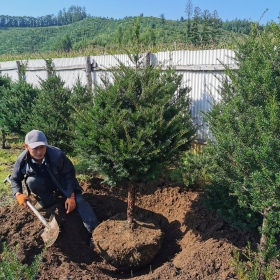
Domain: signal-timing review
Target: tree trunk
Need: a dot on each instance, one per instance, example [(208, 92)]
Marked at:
[(130, 203), (263, 244), (3, 139)]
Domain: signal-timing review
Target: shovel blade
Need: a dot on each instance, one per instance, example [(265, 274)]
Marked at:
[(51, 232)]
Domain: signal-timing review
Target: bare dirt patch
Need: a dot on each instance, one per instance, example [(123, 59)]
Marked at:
[(196, 245)]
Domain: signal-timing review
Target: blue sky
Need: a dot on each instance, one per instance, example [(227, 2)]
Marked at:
[(171, 9)]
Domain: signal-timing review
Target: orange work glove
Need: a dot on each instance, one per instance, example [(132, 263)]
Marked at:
[(22, 198), (70, 204)]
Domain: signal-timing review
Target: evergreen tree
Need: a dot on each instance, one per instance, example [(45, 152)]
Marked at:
[(64, 44), (205, 33), (138, 125), (189, 11), (16, 104), (216, 25), (245, 124), (119, 36), (194, 33), (81, 96), (162, 18), (51, 113)]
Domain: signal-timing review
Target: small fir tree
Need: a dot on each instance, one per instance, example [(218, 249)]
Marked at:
[(139, 124), (16, 104), (81, 96), (51, 113)]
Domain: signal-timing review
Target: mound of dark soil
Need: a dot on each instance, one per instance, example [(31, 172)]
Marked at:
[(127, 247), (196, 245)]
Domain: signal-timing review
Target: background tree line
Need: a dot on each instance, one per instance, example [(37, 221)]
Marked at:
[(73, 14), (75, 31)]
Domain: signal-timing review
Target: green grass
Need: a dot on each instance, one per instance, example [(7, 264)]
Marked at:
[(8, 157), (7, 160), (11, 268)]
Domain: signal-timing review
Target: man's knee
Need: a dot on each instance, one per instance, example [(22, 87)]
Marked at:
[(34, 183), (39, 184)]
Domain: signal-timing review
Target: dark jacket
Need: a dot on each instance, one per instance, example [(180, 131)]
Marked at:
[(60, 168)]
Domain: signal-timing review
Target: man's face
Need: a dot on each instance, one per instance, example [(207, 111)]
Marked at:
[(37, 153)]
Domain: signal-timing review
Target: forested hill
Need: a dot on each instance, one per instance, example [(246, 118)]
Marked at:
[(74, 32)]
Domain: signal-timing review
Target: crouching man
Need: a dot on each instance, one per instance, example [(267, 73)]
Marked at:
[(48, 172)]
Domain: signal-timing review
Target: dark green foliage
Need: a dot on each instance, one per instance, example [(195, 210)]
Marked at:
[(51, 113), (63, 44), (80, 96), (16, 104), (74, 14), (194, 34), (136, 125), (245, 124), (218, 199), (5, 82), (238, 26)]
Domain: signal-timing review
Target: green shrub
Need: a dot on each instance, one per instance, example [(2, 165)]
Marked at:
[(218, 199)]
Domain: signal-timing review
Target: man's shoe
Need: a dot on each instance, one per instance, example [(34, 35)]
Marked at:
[(38, 206)]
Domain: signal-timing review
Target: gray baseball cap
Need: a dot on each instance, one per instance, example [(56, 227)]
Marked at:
[(35, 138)]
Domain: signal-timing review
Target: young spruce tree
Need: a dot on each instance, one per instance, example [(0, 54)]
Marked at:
[(138, 124), (245, 123)]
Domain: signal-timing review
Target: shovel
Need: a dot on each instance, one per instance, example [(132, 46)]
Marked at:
[(51, 230)]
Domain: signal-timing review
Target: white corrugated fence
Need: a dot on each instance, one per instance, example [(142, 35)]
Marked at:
[(199, 69)]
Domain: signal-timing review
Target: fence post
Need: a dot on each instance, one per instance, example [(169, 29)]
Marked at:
[(147, 59), (49, 67), (3, 138), (88, 72), (18, 69)]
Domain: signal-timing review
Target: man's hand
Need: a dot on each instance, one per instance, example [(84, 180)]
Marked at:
[(22, 198), (70, 204)]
